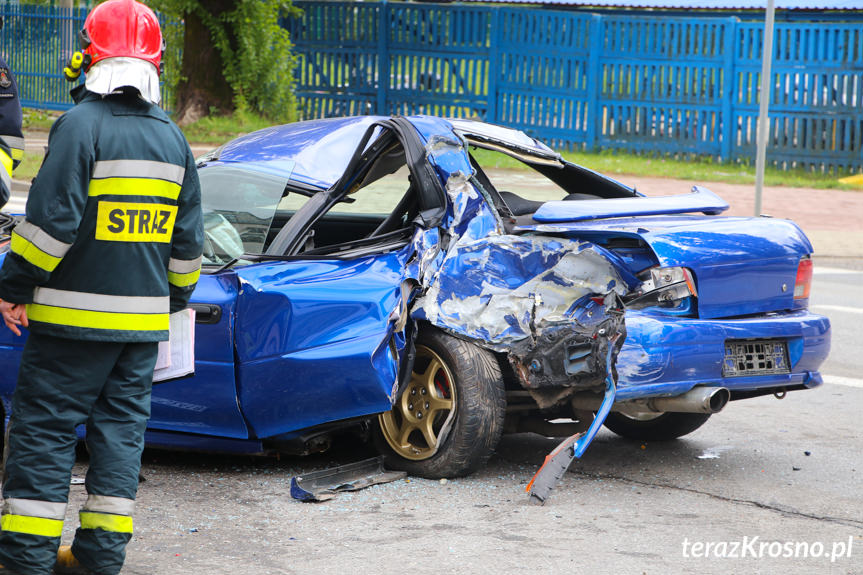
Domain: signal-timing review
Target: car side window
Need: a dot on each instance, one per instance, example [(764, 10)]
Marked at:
[(382, 201), (379, 197), (524, 186), (291, 202), (238, 204), (513, 177)]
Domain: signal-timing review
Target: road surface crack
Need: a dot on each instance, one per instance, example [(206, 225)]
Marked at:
[(769, 507)]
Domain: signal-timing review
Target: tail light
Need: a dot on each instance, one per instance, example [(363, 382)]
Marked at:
[(665, 287), (663, 278), (804, 279)]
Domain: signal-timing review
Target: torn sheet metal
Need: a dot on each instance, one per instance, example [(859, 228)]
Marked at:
[(467, 211), (427, 254), (502, 288), (570, 354), (325, 484), (528, 296), (471, 216)]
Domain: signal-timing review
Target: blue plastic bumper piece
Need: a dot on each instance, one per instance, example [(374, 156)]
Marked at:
[(558, 461), (665, 355)]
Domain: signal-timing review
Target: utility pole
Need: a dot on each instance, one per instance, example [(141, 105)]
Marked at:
[(763, 127), (68, 31)]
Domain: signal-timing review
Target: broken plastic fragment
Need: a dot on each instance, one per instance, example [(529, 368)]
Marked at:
[(558, 461), (327, 483)]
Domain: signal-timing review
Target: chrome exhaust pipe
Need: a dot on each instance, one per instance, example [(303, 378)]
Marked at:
[(696, 400)]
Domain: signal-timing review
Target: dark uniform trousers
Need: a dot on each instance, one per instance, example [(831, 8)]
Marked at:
[(62, 384)]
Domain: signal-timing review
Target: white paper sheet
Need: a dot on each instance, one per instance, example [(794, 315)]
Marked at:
[(177, 355)]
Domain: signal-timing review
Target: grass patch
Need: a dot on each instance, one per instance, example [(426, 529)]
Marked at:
[(698, 170), (209, 130), (221, 129), (28, 167), (39, 120)]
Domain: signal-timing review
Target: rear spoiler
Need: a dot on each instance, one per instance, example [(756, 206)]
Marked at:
[(699, 200)]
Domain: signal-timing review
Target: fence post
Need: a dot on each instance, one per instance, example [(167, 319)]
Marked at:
[(728, 82), (593, 117), (383, 57), (493, 66)]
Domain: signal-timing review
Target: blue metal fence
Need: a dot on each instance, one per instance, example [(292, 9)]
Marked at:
[(816, 113), (437, 61), (36, 42), (645, 83), (662, 87), (679, 85)]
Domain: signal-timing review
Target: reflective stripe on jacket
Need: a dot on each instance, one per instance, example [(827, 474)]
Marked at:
[(113, 233), (16, 148), (5, 172)]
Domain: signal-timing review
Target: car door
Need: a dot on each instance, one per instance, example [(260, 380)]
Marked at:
[(318, 340), (238, 201), (321, 331), (205, 403)]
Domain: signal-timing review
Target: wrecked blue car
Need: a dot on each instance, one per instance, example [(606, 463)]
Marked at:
[(379, 275)]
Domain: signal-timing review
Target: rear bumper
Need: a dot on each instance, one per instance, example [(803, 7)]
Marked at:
[(668, 356)]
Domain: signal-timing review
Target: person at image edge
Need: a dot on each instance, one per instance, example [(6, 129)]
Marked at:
[(111, 244), (11, 138)]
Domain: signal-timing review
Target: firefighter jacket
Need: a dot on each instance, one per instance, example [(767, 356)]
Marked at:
[(11, 138), (113, 232)]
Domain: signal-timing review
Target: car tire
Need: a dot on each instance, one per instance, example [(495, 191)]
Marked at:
[(455, 432), (663, 427)]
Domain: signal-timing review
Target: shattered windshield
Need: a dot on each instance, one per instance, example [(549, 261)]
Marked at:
[(239, 203)]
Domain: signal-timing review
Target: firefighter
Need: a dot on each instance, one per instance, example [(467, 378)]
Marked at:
[(110, 245), (11, 138)]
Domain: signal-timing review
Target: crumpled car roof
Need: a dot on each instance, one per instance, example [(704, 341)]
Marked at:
[(319, 149)]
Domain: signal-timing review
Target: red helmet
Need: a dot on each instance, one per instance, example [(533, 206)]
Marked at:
[(122, 28)]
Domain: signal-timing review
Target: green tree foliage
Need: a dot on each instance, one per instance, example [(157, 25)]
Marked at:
[(235, 57)]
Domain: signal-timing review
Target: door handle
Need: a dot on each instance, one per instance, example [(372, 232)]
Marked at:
[(207, 312)]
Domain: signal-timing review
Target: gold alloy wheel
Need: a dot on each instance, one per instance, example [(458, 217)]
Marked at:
[(413, 426)]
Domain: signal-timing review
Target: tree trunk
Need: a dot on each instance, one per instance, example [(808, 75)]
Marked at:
[(203, 88)]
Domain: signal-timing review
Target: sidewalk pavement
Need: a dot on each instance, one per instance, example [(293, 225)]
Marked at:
[(833, 219)]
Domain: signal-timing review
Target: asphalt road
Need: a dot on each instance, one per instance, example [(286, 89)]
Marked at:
[(837, 292), (765, 477), (763, 480)]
